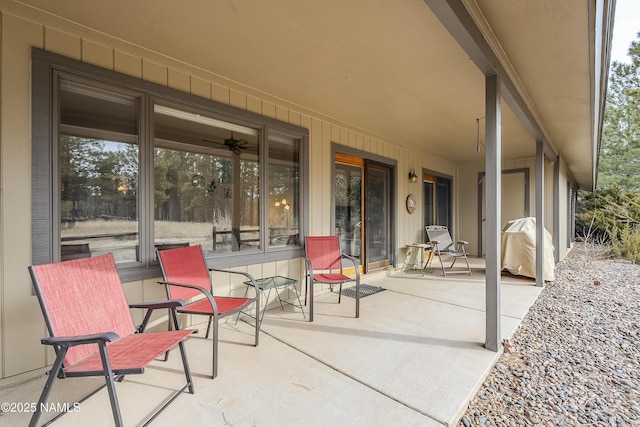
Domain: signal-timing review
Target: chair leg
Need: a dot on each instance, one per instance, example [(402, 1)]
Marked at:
[(357, 298), (53, 374), (215, 347), (187, 370), (209, 326), (444, 272), (111, 388), (310, 300), (466, 260), (340, 294), (258, 322), (306, 288)]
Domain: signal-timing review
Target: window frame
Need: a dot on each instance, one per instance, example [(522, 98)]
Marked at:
[(45, 209)]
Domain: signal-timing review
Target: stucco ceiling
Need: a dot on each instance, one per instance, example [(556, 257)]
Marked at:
[(388, 67)]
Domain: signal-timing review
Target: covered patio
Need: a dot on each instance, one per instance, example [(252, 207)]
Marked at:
[(415, 357), (460, 95)]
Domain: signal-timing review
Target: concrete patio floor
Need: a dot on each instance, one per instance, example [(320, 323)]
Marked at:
[(414, 358)]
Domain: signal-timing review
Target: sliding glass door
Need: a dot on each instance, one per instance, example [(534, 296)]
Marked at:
[(362, 210)]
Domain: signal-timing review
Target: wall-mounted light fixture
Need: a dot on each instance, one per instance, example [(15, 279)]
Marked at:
[(413, 177)]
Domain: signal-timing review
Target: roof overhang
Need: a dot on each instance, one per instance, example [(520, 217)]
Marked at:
[(411, 72)]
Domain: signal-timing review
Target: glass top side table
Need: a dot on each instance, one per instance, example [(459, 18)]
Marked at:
[(270, 283)]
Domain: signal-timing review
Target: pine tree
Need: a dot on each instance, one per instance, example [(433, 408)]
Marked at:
[(620, 150)]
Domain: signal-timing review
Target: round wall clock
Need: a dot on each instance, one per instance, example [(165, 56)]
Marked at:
[(411, 203)]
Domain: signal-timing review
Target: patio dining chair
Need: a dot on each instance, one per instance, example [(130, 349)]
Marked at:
[(443, 246), (323, 264), (187, 276), (92, 331)]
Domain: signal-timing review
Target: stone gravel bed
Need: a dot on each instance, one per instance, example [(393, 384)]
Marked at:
[(575, 359)]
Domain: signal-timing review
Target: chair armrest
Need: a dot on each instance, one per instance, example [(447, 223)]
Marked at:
[(247, 275), (154, 305), (308, 269), (355, 263), (159, 304), (460, 244), (205, 292), (307, 264), (185, 285), (80, 339)]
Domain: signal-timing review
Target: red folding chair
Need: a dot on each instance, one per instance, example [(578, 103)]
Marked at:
[(92, 331), (323, 263), (186, 276)]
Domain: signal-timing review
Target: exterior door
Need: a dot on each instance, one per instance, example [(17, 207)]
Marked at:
[(362, 198)]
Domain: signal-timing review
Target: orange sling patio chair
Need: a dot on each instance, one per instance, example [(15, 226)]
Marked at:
[(323, 264), (92, 332), (187, 277)]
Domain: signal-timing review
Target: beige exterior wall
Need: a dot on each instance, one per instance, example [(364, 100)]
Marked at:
[(467, 189), (468, 220), (22, 327)]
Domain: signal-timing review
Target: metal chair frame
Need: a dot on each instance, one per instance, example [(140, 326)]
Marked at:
[(92, 332), (191, 278), (323, 264), (443, 245)]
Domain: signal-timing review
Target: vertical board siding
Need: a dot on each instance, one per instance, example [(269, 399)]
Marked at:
[(179, 80), (128, 64), (62, 43), (238, 99), (25, 326), (200, 87), (22, 322), (97, 54), (154, 72), (220, 93)]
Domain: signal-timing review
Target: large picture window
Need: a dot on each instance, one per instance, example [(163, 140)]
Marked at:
[(135, 168), (206, 182)]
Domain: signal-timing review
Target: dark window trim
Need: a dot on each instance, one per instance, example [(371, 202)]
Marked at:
[(44, 244)]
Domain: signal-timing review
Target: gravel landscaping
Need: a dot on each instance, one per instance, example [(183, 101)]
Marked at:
[(575, 359)]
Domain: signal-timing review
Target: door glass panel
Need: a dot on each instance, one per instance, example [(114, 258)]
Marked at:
[(378, 198), (443, 204), (348, 214), (429, 199)]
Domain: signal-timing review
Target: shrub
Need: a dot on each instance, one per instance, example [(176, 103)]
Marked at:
[(611, 215), (627, 245)]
